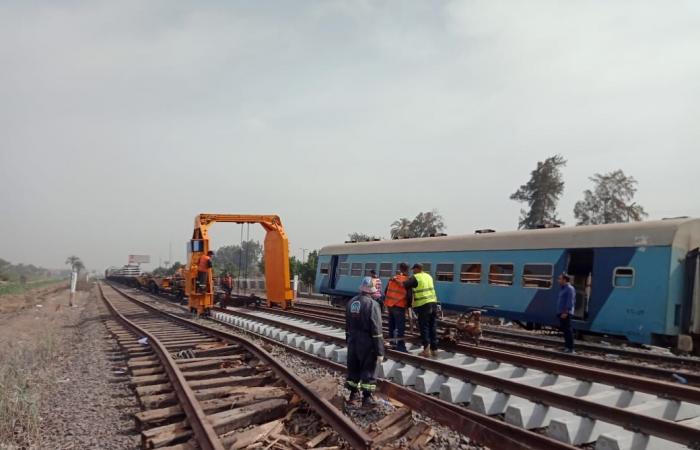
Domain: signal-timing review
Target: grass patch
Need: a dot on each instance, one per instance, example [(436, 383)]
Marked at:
[(17, 288), (21, 376)]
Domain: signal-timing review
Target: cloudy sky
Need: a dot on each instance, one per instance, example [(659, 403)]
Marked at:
[(120, 121)]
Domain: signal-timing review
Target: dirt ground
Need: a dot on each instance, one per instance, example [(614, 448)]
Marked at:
[(18, 302), (60, 389)]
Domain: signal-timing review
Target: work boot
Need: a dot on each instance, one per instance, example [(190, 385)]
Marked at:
[(352, 397), (368, 401), (426, 353), (433, 353)]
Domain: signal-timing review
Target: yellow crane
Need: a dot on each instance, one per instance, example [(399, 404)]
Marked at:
[(276, 253)]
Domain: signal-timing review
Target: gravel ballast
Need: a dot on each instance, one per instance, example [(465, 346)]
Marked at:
[(90, 405), (444, 438)]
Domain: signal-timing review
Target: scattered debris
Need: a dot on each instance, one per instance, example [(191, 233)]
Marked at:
[(680, 379)]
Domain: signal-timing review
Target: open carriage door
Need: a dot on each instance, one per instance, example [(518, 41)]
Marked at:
[(690, 308), (333, 272), (580, 267)]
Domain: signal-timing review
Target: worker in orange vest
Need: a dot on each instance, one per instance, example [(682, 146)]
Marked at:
[(203, 267), (227, 284), (397, 299)]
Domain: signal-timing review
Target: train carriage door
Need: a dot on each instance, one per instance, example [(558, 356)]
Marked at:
[(580, 267), (690, 308), (333, 272)]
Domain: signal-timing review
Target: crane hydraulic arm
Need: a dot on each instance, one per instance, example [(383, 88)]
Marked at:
[(276, 251)]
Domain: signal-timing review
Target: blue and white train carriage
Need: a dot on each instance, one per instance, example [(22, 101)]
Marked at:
[(637, 280)]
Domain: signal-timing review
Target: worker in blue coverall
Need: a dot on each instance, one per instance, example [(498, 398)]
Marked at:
[(565, 310), (363, 333)]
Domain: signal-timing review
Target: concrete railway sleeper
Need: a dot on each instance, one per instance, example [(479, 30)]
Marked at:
[(227, 393), (574, 410), (481, 428), (691, 376), (497, 337)]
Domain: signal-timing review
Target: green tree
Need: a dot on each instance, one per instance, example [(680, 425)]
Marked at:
[(427, 224), (167, 271), (247, 257), (4, 265), (294, 266), (610, 201), (75, 263), (308, 268), (401, 229), (541, 193), (362, 237)]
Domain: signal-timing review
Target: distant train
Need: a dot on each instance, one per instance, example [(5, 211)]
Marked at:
[(639, 281)]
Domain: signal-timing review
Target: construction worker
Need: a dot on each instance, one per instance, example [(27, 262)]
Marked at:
[(227, 284), (363, 334), (396, 299), (425, 305), (565, 310), (203, 271)]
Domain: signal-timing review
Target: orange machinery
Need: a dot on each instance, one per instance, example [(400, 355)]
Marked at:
[(276, 254)]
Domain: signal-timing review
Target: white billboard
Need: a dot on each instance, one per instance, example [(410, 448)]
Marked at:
[(139, 259)]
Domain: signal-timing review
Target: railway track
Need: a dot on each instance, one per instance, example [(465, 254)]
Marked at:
[(645, 363), (488, 431), (207, 389), (573, 404)]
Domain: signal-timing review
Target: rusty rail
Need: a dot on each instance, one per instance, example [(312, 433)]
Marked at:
[(657, 427), (202, 429), (514, 354), (340, 423), (688, 362), (483, 429)]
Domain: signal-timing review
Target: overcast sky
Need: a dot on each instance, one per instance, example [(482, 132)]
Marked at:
[(120, 121)]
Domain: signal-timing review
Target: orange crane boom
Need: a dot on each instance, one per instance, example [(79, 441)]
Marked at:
[(276, 251)]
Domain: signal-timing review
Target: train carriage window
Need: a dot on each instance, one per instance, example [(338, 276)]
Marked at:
[(385, 270), (427, 268), (369, 267), (356, 270), (623, 277), (470, 273), (445, 272), (324, 268), (501, 274), (537, 276), (344, 268)]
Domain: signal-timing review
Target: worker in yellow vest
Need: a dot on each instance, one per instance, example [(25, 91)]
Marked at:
[(397, 299), (425, 305)]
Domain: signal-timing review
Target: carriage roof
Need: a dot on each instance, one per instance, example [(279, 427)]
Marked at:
[(682, 233)]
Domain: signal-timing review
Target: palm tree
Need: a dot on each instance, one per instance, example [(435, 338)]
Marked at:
[(401, 228), (75, 263)]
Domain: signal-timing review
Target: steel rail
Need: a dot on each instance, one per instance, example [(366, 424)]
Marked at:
[(204, 433), (483, 429), (627, 352), (665, 429), (545, 340), (340, 423), (692, 378)]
